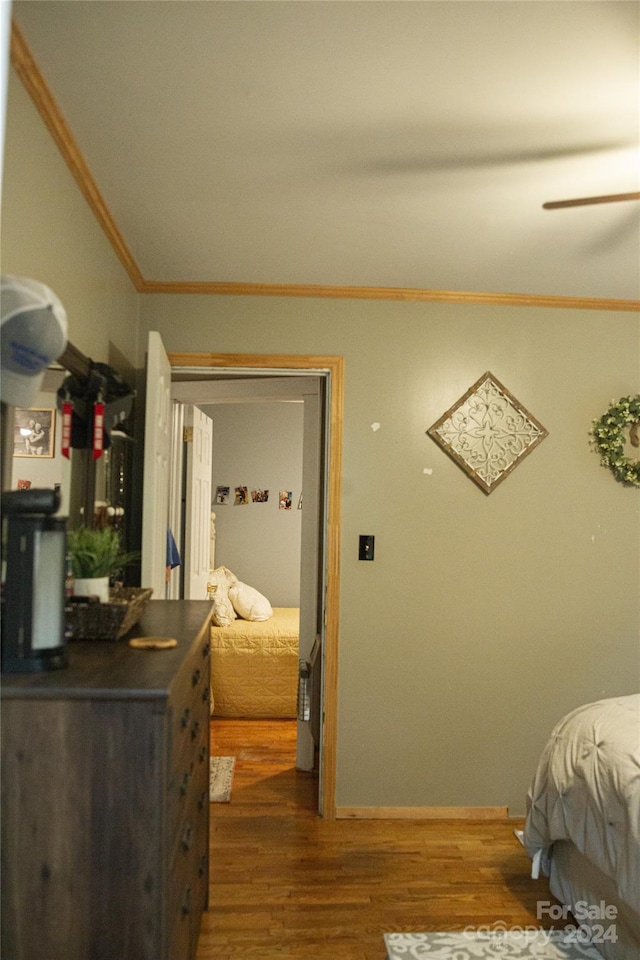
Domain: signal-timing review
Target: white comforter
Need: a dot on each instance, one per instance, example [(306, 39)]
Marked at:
[(587, 790)]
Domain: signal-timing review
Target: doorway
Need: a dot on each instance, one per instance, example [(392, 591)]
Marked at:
[(269, 431), (234, 366)]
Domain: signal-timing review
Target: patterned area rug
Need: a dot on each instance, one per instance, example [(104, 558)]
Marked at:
[(220, 778), (492, 945)]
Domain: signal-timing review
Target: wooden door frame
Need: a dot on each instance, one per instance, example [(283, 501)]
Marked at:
[(334, 366)]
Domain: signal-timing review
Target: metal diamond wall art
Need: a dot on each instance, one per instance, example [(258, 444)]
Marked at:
[(487, 432)]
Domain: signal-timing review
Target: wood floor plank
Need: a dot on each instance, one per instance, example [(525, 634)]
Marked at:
[(287, 884)]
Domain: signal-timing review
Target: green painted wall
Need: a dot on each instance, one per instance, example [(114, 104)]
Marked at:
[(483, 619)]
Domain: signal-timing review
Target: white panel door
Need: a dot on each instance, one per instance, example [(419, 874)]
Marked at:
[(157, 457), (199, 437)]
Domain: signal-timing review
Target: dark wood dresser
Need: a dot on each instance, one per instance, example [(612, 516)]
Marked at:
[(105, 797)]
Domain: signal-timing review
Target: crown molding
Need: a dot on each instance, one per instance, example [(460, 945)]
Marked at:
[(44, 101), (386, 293)]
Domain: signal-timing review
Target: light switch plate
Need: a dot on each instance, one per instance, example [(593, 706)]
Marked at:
[(367, 547)]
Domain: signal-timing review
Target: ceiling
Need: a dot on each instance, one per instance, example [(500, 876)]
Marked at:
[(357, 144)]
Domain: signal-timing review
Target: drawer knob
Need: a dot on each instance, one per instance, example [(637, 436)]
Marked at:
[(187, 839), (195, 730), (195, 679), (186, 903)]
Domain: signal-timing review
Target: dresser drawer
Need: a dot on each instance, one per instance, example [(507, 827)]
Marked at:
[(189, 705), (189, 878), (188, 793), (188, 779)]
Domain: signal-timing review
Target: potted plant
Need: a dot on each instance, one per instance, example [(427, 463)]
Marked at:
[(94, 557)]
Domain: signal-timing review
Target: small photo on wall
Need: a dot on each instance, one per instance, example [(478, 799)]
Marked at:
[(34, 432), (242, 496), (260, 496), (286, 499), (223, 494)]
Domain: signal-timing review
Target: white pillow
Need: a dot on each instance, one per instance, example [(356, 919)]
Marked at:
[(218, 591), (249, 603), (223, 613), (226, 574)]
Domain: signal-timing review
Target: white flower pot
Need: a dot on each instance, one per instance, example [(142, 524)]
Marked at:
[(92, 587)]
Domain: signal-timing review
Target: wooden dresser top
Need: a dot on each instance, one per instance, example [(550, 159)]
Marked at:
[(106, 668)]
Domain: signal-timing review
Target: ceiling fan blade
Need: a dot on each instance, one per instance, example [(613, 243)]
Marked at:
[(584, 201)]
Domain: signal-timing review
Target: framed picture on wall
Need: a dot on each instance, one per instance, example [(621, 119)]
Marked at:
[(34, 432)]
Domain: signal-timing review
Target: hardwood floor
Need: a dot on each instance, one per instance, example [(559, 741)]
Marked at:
[(285, 883)]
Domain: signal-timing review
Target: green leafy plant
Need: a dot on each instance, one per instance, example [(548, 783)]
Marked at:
[(609, 436), (96, 553)]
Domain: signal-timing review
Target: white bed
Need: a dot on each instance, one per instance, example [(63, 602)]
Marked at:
[(583, 821)]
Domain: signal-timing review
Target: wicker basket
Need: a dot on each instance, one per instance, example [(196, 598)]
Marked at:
[(107, 621)]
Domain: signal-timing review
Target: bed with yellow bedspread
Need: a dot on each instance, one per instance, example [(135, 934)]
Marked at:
[(254, 666)]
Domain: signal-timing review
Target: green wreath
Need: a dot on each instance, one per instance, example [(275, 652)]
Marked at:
[(609, 439)]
